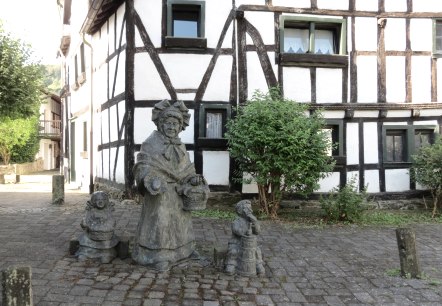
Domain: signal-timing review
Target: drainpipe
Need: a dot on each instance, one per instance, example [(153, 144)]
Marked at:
[(91, 139)]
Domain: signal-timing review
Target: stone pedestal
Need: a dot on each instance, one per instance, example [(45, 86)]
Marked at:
[(58, 189), (16, 286)]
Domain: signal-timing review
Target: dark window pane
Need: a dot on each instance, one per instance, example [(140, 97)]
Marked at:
[(422, 139), (439, 36), (395, 146), (398, 148)]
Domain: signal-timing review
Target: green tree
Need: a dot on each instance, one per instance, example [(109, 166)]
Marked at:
[(13, 133), (426, 170), (21, 84), (280, 146)]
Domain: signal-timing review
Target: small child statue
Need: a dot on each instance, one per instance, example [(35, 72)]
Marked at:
[(243, 254), (98, 240)]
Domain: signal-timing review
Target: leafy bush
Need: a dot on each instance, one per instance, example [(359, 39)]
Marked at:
[(18, 134), (427, 170), (280, 146), (344, 204)]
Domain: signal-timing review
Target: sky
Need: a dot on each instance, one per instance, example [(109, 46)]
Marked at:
[(35, 22)]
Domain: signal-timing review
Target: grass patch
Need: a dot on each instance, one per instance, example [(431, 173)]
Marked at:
[(386, 217), (214, 214), (393, 272)]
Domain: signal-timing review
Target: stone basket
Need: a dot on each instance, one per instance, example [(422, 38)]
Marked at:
[(195, 199)]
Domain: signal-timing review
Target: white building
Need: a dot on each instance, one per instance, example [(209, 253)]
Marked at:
[(371, 65), (50, 132)]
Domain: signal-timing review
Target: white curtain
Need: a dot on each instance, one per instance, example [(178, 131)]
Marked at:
[(296, 40), (324, 42), (214, 128)]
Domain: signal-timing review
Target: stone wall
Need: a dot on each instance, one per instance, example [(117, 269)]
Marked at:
[(27, 168)]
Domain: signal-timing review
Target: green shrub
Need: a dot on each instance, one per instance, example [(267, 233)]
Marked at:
[(427, 170), (280, 145), (344, 204)]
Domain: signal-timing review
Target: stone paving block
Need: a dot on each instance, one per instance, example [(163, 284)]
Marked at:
[(152, 302)]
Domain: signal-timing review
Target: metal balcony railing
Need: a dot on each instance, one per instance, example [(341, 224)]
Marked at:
[(50, 129)]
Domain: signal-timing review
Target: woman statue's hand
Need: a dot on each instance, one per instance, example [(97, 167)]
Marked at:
[(154, 185)]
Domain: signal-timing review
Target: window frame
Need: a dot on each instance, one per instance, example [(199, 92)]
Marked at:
[(226, 111), (436, 53), (337, 125), (309, 59), (171, 41), (409, 145)]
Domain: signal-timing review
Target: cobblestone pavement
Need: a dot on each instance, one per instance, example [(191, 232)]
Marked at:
[(304, 266)]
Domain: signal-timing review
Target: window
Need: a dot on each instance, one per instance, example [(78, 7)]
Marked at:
[(212, 120), (422, 138), (437, 38), (402, 141), (334, 131), (309, 41), (84, 136), (82, 76), (395, 145), (214, 124), (185, 24)]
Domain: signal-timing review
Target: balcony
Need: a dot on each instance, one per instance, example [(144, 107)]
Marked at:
[(50, 129)]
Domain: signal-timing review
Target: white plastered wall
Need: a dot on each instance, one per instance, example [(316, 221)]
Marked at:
[(395, 5), (116, 121), (147, 82), (120, 80), (333, 5), (218, 88), (264, 23), (427, 6), (367, 5), (367, 79), (395, 34), (328, 183), (395, 79), (255, 75), (217, 12), (421, 31), (150, 15), (328, 85), (297, 85), (352, 141), (293, 3), (370, 143), (249, 2), (366, 33), (421, 79), (216, 165), (397, 180), (185, 70), (372, 180)]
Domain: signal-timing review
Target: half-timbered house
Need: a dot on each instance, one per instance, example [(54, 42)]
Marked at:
[(372, 66)]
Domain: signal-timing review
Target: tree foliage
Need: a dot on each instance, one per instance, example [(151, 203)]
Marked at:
[(13, 133), (426, 170), (21, 84), (282, 147)]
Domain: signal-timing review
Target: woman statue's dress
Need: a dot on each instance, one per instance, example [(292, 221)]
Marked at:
[(164, 234)]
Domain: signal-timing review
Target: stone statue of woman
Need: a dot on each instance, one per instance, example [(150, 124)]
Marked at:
[(171, 189)]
